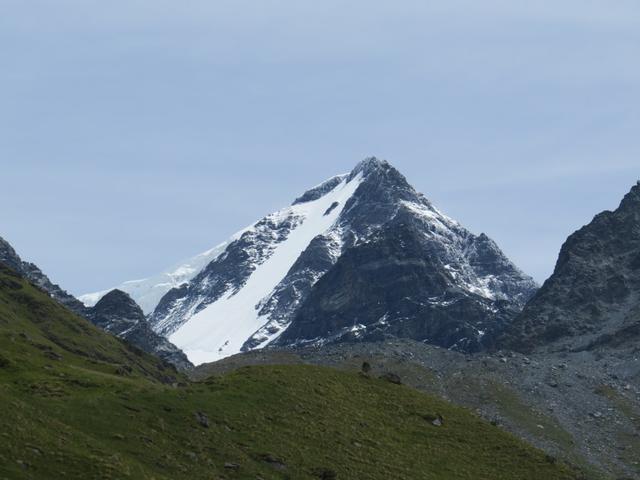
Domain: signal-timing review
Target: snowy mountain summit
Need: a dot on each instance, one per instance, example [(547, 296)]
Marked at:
[(359, 257)]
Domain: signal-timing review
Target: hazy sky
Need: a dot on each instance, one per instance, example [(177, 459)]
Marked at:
[(136, 133)]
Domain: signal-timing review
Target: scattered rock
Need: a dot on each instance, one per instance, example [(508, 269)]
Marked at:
[(192, 456), (124, 370), (202, 419), (51, 355), (366, 367), (36, 451), (231, 466), (4, 362), (436, 420), (324, 473), (391, 378), (275, 462)]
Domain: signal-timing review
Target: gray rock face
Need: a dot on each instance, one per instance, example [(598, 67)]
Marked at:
[(118, 314), (391, 264), (396, 285), (408, 271), (593, 297), (31, 272)]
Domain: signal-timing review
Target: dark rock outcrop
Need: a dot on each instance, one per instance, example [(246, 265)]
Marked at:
[(593, 296), (395, 285), (118, 314)]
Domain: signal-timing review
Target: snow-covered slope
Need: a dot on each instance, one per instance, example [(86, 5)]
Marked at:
[(147, 292), (222, 327)]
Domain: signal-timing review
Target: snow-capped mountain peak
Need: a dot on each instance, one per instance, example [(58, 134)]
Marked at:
[(268, 284)]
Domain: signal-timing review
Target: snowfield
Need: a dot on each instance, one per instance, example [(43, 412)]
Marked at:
[(221, 328)]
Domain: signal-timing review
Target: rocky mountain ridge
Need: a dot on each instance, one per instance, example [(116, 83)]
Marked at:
[(120, 315), (117, 313), (593, 296)]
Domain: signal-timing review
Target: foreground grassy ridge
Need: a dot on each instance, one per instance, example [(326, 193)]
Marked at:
[(71, 409)]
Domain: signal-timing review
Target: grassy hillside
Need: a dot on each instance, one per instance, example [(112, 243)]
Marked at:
[(77, 403)]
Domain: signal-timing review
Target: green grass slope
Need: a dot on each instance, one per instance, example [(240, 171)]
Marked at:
[(77, 403)]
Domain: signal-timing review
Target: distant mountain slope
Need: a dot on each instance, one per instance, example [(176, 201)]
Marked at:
[(148, 292), (78, 403), (256, 284), (117, 313), (593, 296), (31, 272), (125, 319)]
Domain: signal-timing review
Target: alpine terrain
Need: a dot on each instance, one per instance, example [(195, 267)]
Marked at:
[(572, 385), (78, 403), (116, 313), (593, 296), (361, 256)]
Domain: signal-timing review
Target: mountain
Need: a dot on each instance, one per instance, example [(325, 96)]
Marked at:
[(118, 315), (593, 296), (360, 256), (31, 272)]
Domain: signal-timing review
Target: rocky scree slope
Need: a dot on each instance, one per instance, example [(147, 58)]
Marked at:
[(579, 407), (267, 285), (118, 315)]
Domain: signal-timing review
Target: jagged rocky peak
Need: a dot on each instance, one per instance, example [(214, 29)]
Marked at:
[(266, 284), (370, 165), (593, 296), (31, 272), (9, 257), (117, 313)]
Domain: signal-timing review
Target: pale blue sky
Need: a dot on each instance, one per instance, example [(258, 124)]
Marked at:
[(137, 133)]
